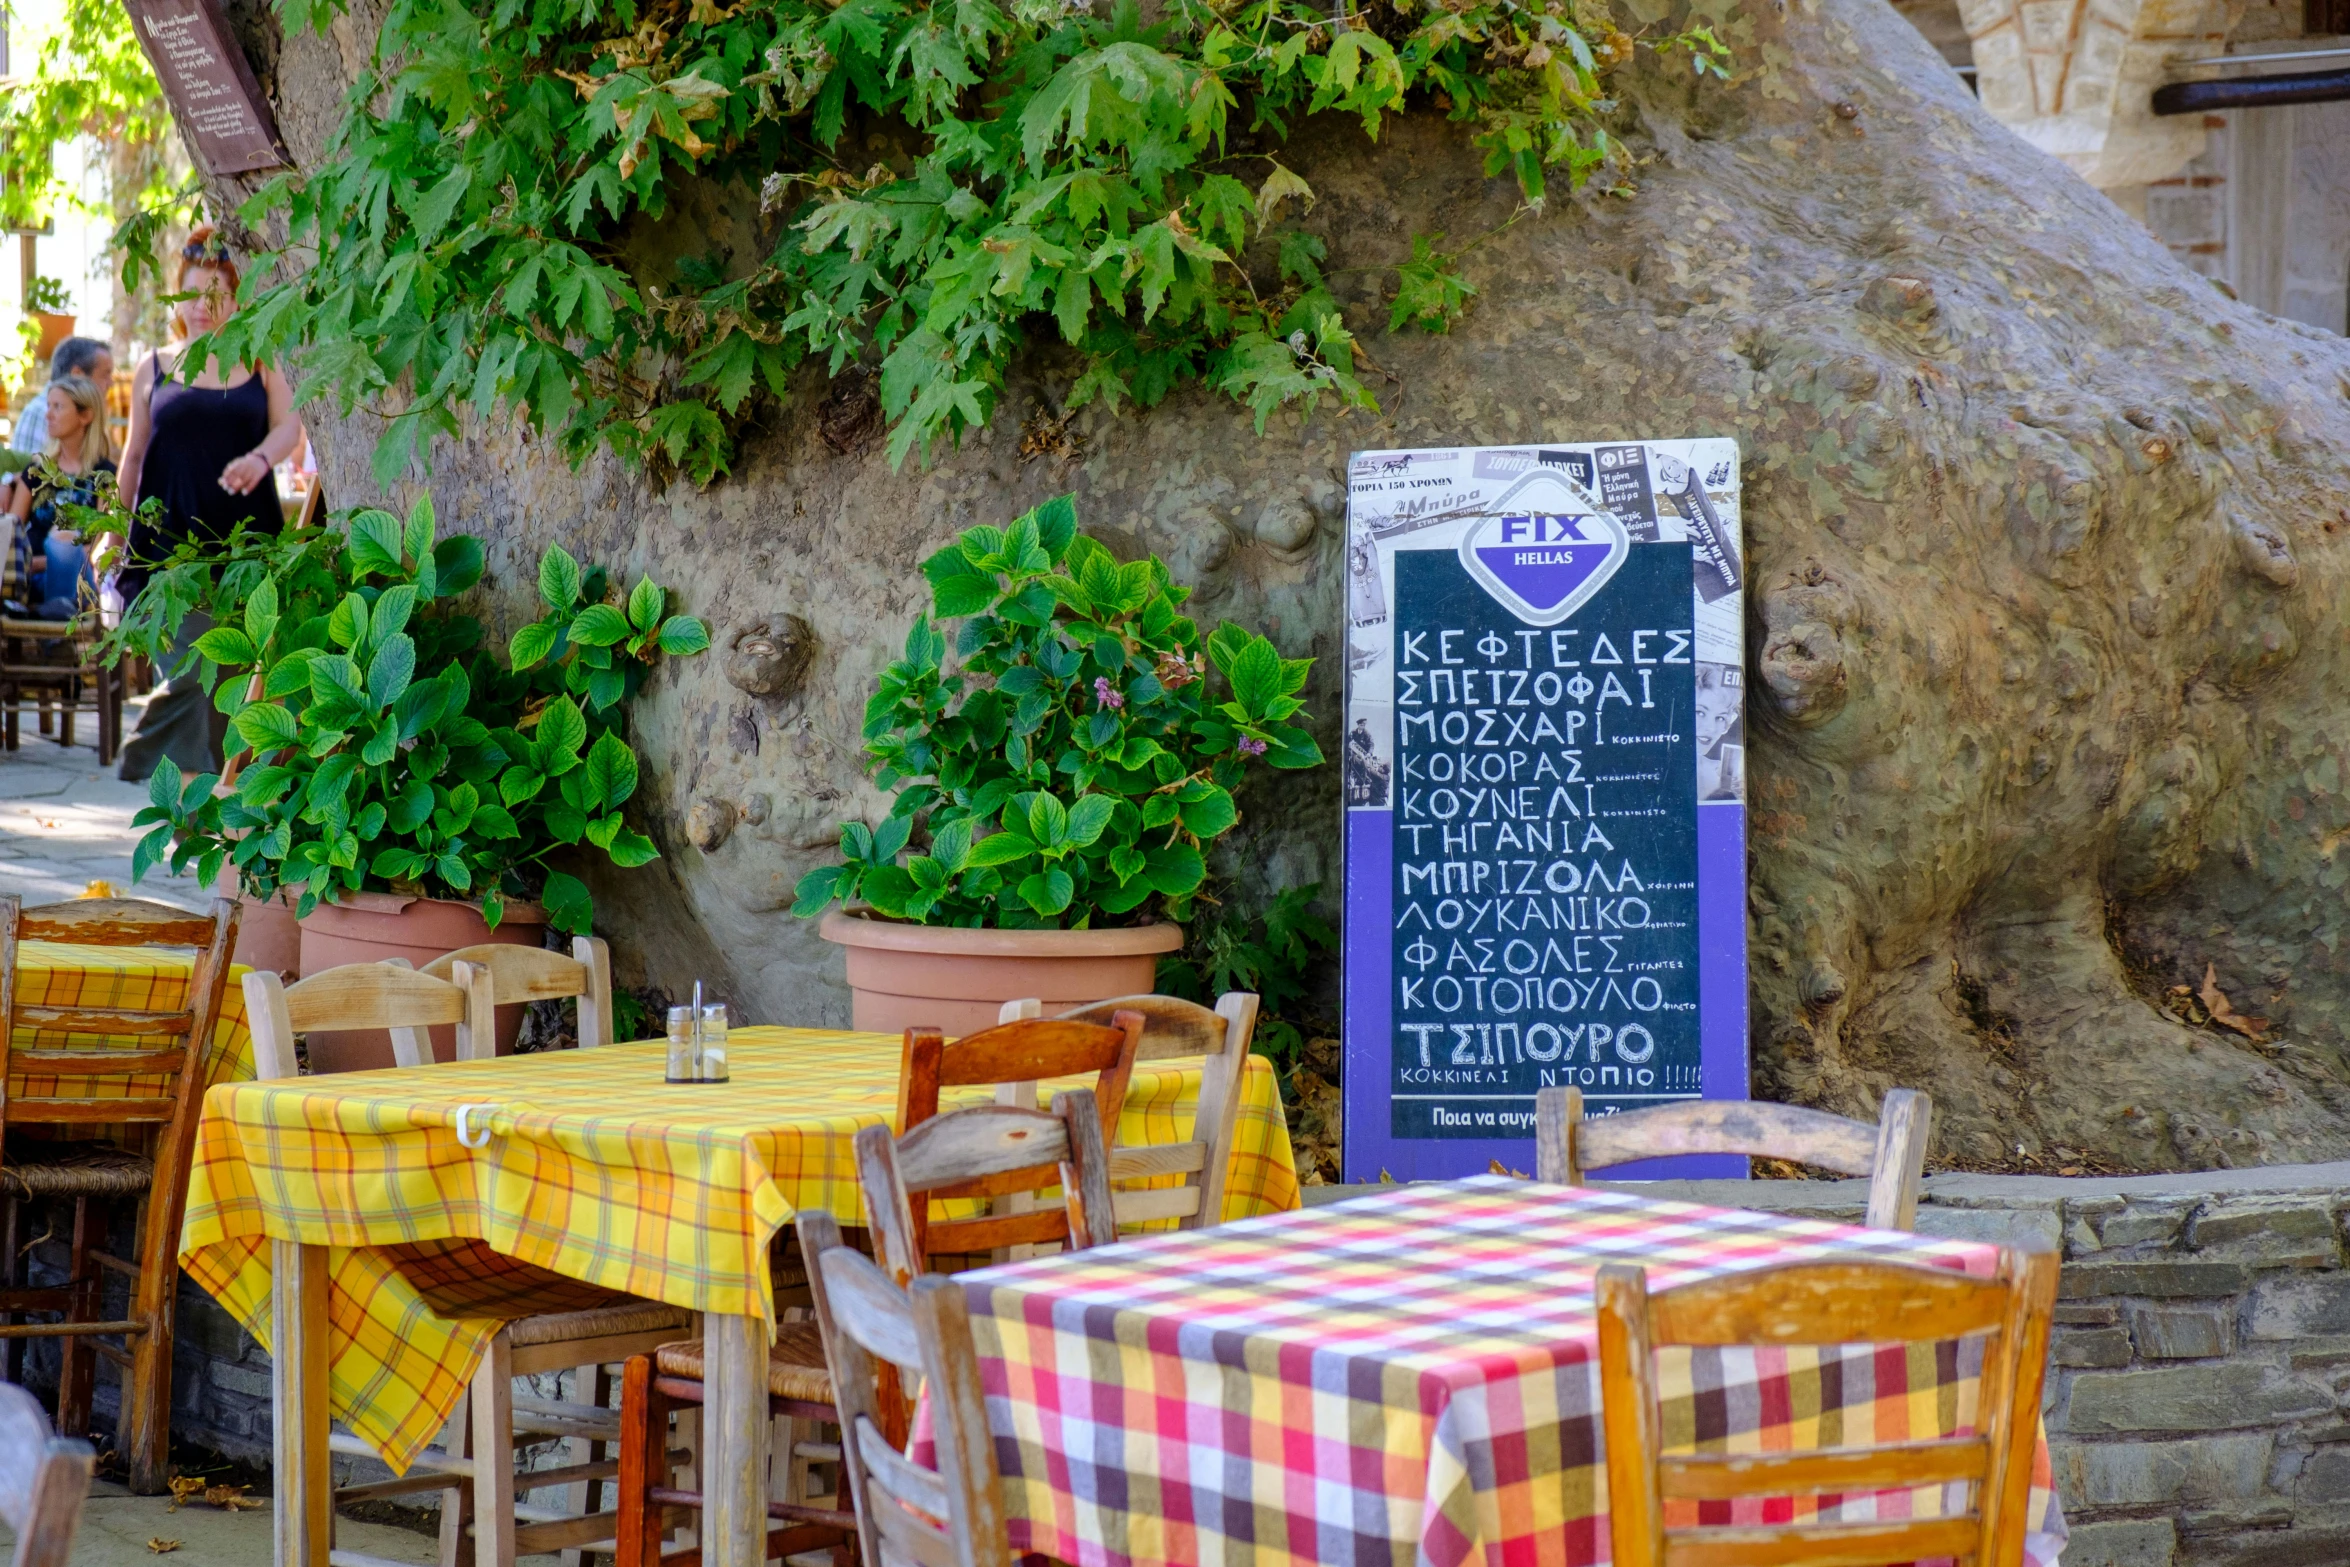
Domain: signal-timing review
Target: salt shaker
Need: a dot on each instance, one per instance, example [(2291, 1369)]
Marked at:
[(714, 1042), (682, 1067)]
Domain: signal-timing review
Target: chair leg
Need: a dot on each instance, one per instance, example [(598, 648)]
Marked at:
[(644, 1440), (80, 1359), (109, 714), (145, 1428), (590, 1385), (493, 1456), (457, 1503), (11, 1350)]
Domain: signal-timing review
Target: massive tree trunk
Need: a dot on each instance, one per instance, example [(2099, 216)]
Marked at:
[(2047, 543)]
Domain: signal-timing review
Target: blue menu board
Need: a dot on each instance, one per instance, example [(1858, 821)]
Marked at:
[(1545, 821)]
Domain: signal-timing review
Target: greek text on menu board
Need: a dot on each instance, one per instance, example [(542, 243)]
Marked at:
[(1545, 863), (1544, 785)]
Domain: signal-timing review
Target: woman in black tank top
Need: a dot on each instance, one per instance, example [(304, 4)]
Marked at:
[(204, 441)]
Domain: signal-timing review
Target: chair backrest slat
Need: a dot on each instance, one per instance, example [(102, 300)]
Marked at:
[(116, 922), (977, 1152), (1707, 1479), (521, 974), (104, 1020), (43, 1481), (1852, 1302), (367, 995), (1027, 1051), (952, 1516), (1892, 1153), (1175, 1029), (98, 1063)]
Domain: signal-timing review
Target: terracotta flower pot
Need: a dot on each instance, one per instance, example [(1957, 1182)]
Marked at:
[(367, 927), (55, 329), (268, 935), (904, 976)]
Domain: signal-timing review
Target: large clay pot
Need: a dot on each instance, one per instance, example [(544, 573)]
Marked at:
[(902, 976), (368, 927), (268, 935), (55, 329)]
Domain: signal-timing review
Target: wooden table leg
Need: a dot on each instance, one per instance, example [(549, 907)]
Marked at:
[(305, 1486), (734, 1436)]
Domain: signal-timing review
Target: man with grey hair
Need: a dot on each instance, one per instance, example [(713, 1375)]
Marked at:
[(85, 356)]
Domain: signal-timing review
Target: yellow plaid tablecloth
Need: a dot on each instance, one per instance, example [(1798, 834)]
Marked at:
[(588, 1165), (56, 974)]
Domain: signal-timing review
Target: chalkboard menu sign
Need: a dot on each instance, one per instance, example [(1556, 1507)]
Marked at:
[(214, 98), (1545, 822)]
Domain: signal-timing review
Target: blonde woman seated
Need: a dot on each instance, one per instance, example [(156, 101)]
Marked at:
[(43, 545)]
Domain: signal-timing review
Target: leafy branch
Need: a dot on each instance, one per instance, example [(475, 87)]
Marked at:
[(948, 179)]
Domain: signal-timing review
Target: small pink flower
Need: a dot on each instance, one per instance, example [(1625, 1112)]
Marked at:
[(1107, 697), (1251, 746)]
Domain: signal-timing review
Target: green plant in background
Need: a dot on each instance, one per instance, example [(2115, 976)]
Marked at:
[(1068, 769), (80, 72), (948, 181), (42, 296), (1266, 951), (385, 748)]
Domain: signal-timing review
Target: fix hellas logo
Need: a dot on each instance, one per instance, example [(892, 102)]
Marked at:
[(1543, 550)]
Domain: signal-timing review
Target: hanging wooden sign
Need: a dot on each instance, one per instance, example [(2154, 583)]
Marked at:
[(214, 97), (1545, 841)]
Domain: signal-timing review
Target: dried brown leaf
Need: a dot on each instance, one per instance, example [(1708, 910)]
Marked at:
[(231, 1498), (162, 1547), (2215, 1001), (182, 1488)]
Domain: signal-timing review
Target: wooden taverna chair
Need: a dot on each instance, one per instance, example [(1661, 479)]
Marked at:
[(524, 974), (1013, 1058), (1826, 1303), (148, 1082), (519, 975), (1892, 1154), (43, 1481), (879, 1337), (1174, 1030), (54, 664), (974, 1152), (476, 1471)]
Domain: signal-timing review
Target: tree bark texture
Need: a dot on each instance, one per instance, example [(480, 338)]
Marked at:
[(2048, 547)]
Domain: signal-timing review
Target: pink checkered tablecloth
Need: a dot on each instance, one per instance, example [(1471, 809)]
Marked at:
[(1409, 1379)]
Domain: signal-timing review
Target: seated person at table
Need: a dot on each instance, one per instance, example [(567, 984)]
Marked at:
[(55, 570)]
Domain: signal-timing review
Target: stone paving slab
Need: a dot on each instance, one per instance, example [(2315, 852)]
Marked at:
[(66, 822), (116, 1527)]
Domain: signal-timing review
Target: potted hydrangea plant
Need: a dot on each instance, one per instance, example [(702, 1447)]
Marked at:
[(1058, 768), (399, 786)]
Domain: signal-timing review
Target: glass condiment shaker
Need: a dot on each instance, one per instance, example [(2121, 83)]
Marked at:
[(683, 1068), (713, 1043)]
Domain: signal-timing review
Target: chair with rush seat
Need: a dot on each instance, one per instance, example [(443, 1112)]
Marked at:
[(149, 1083), (520, 975), (1013, 1058), (975, 1151), (882, 1336), (1892, 1154), (1177, 1030), (476, 1472), (1826, 1303), (523, 974)]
